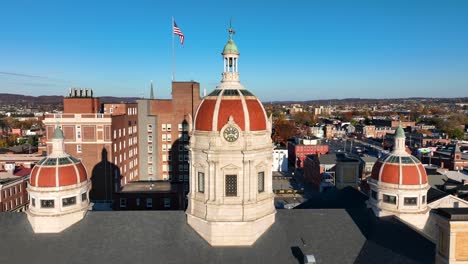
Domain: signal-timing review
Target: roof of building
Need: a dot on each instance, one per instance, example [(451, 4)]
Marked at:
[(369, 159), (434, 194), (333, 158), (327, 158), (221, 105), (456, 175), (230, 47), (150, 186), (453, 214), (399, 132), (347, 234), (58, 134)]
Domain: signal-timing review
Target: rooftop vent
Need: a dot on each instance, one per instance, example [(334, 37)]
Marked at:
[(309, 259)]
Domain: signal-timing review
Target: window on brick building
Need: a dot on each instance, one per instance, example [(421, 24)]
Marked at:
[(78, 148), (163, 137), (150, 159), (169, 127), (149, 203), (167, 202), (163, 127), (164, 157), (150, 138), (150, 149), (150, 170), (164, 147), (179, 127), (123, 202), (169, 137)]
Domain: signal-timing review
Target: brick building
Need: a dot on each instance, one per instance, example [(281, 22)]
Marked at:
[(13, 194), (163, 127), (104, 140), (150, 195), (297, 152), (338, 169)]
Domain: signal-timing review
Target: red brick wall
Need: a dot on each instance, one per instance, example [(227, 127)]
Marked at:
[(68, 132), (313, 171), (80, 105), (17, 198), (88, 133)]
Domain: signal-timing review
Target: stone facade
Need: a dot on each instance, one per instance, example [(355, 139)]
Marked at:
[(231, 199)]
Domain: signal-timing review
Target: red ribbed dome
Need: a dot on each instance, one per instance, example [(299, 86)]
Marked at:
[(58, 172), (403, 170), (216, 108)]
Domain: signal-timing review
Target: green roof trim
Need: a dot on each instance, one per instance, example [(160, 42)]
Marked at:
[(230, 47), (58, 133), (399, 133)]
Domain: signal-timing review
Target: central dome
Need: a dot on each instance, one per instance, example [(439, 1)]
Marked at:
[(244, 107)]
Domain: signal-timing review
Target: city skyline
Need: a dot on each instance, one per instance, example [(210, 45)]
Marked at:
[(314, 50)]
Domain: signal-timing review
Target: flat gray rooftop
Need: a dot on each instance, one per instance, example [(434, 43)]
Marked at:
[(349, 234)]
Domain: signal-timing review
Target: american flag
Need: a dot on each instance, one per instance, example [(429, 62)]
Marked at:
[(176, 30)]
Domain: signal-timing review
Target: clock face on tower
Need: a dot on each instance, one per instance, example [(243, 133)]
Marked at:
[(231, 134)]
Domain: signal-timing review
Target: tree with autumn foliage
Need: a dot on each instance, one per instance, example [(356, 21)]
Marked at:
[(282, 131)]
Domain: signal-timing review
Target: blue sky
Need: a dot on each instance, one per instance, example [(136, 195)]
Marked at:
[(290, 50)]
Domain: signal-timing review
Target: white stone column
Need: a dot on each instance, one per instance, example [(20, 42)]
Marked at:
[(211, 173)]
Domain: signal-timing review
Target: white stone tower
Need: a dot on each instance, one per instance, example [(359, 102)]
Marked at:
[(398, 184), (58, 190), (231, 198)]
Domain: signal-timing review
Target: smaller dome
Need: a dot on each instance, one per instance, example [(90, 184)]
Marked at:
[(58, 172), (230, 48), (399, 132), (402, 170), (58, 134), (58, 169)]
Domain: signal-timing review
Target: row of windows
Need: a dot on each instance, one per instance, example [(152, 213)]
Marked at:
[(168, 127), (131, 111), (121, 131), (130, 143), (50, 203), (149, 202), (12, 191), (131, 153), (12, 204), (391, 199), (231, 183)]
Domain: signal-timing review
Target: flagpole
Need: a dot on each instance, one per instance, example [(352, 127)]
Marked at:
[(173, 59)]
